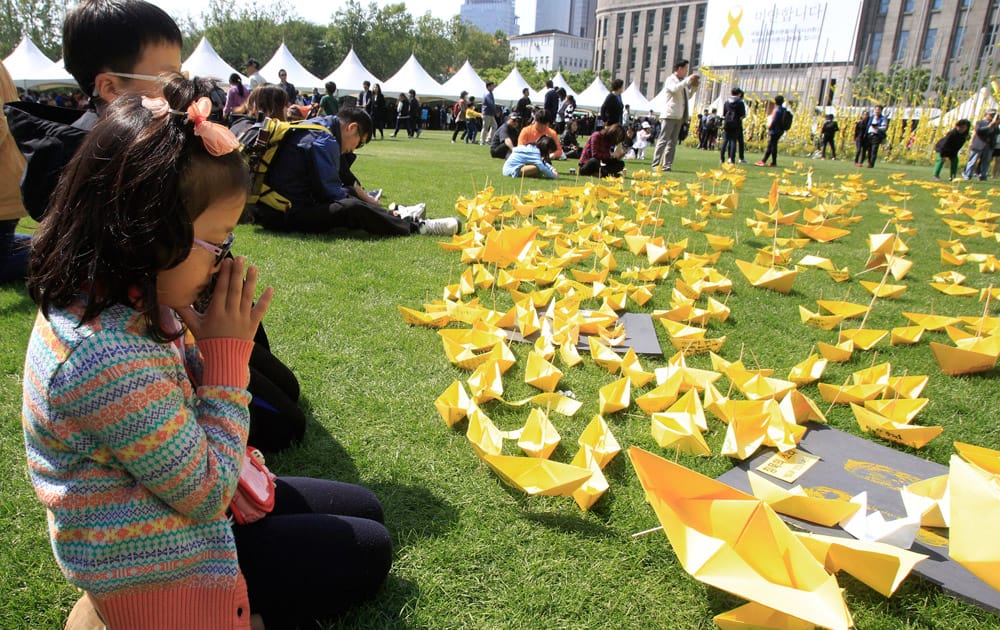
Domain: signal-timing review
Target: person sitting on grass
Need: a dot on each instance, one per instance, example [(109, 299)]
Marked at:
[(570, 144), (532, 160), (597, 158), (267, 101), (311, 171), (135, 404), (540, 127), (949, 146), (505, 137)]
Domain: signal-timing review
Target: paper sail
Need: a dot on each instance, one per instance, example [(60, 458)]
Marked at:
[(930, 500), (541, 374), (873, 527), (975, 519), (910, 435), (734, 542), (594, 488), (882, 567), (795, 502), (798, 408), (808, 371), (453, 403), (538, 476), (602, 443), (756, 617), (779, 280), (539, 437), (615, 396)]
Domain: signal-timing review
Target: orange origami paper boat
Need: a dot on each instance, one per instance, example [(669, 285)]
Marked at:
[(734, 542)]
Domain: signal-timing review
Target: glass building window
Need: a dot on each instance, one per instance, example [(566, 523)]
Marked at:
[(667, 13), (875, 49), (621, 23), (956, 44), (699, 16), (650, 20), (635, 23), (682, 18), (883, 7), (929, 41), (904, 40)]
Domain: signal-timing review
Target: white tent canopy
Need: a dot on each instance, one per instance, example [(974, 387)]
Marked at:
[(637, 103), (593, 97), (205, 62), (298, 76), (467, 80), (351, 74), (412, 76), (511, 87), (29, 67), (560, 82), (972, 109)]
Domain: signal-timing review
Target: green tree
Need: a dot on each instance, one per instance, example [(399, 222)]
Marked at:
[(41, 20), (238, 33)]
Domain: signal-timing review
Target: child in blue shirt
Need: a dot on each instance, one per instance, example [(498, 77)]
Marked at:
[(530, 160)]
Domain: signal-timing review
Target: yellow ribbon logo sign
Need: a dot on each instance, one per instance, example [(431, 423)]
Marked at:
[(734, 27)]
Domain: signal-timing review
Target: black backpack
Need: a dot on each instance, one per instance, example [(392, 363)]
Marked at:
[(731, 115), (786, 119), (47, 138)]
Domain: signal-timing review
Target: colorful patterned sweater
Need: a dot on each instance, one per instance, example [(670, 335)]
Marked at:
[(136, 467)]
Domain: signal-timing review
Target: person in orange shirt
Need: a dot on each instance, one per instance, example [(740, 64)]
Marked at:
[(540, 127)]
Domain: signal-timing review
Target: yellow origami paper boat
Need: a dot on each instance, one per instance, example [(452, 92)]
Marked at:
[(453, 403), (808, 370), (963, 360), (602, 443), (594, 488), (909, 435), (931, 322), (615, 396), (798, 408), (485, 437), (844, 394), (863, 338), (680, 431), (540, 373), (836, 353), (418, 318), (539, 436), (756, 617), (848, 310), (823, 322), (779, 280), (538, 476), (905, 335), (930, 499), (974, 485), (821, 233), (486, 383), (883, 290), (879, 565), (954, 290), (661, 396), (631, 368), (902, 410), (796, 503), (734, 542)]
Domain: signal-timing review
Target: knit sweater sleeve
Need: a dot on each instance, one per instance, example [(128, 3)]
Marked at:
[(133, 397)]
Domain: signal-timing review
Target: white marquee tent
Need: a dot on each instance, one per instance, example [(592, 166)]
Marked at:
[(972, 109), (205, 62), (637, 103), (560, 82), (468, 80), (351, 74), (412, 76), (593, 97), (298, 76), (29, 67), (510, 88)]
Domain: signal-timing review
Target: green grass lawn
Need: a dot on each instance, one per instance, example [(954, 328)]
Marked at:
[(471, 552)]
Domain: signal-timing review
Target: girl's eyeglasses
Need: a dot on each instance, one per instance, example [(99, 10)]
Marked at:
[(220, 250)]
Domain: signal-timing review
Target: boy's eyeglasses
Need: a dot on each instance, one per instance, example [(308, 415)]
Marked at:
[(220, 250)]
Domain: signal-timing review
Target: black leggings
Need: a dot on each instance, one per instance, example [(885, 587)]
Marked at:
[(322, 550), (610, 167), (276, 422)]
